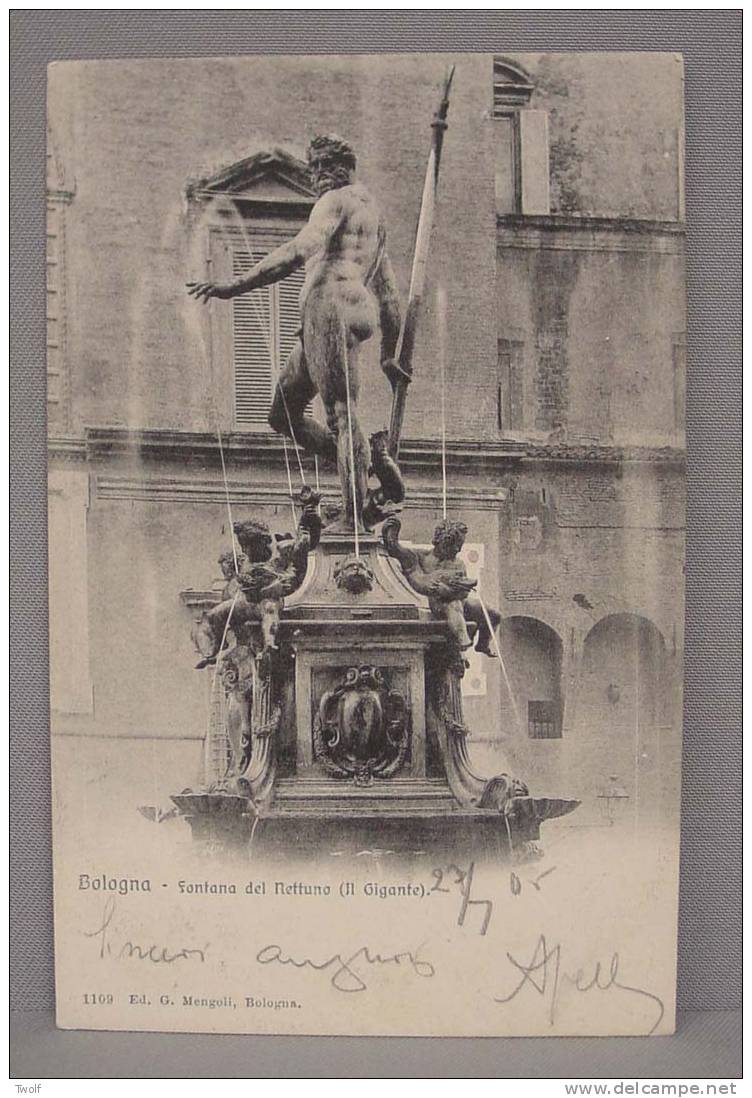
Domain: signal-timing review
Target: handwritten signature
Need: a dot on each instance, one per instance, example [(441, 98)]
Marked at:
[(158, 955), (544, 974), (344, 976)]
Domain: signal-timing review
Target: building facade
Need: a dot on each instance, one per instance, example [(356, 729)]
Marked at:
[(551, 353)]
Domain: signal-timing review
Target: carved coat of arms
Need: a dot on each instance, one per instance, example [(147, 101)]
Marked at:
[(361, 728)]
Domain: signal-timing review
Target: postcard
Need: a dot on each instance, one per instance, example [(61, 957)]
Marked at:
[(366, 383)]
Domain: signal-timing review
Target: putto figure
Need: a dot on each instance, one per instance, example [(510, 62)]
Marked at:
[(230, 563), (439, 574), (255, 592), (349, 290)]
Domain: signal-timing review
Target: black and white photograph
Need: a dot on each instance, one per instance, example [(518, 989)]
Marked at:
[(366, 411)]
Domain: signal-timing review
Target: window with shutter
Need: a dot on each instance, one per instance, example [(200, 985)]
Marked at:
[(522, 167), (265, 325)]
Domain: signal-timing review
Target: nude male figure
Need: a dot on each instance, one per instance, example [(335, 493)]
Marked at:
[(439, 573), (349, 290)]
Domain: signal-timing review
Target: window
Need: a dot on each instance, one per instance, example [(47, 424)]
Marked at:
[(265, 325), (522, 171), (509, 402), (543, 720), (250, 208)]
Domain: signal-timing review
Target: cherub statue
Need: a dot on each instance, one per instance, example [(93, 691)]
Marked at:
[(258, 589), (439, 574), (230, 563)]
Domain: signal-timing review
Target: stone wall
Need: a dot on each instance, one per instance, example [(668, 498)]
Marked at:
[(595, 311), (131, 136)]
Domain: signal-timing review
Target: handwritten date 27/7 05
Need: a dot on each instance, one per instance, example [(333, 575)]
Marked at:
[(453, 877)]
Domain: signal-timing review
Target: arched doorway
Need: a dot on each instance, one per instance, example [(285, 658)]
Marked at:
[(622, 715), (531, 699)]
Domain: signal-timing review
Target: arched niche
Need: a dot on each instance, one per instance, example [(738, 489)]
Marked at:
[(531, 696), (624, 711)]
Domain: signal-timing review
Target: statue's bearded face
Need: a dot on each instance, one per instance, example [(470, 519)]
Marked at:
[(327, 173), (353, 575), (448, 540), (331, 163)]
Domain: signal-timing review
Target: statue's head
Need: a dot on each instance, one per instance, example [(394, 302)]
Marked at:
[(379, 443), (353, 574), (448, 538), (309, 497), (331, 162), (227, 563), (285, 546), (255, 539)]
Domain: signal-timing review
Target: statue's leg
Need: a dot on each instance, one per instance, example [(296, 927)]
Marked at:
[(474, 612), (207, 632), (332, 354), (452, 613), (294, 391), (347, 454), (456, 619), (269, 609)]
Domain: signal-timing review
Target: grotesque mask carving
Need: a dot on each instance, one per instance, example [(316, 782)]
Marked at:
[(353, 574)]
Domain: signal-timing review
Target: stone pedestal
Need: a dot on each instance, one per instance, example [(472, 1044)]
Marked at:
[(357, 732)]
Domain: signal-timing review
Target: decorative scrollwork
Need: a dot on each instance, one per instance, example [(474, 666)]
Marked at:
[(269, 728), (453, 726), (361, 728)]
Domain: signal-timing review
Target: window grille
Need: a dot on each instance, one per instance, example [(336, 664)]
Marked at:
[(543, 720)]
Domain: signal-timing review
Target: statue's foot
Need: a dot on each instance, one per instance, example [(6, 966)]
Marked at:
[(485, 648), (205, 662), (342, 526), (376, 511)]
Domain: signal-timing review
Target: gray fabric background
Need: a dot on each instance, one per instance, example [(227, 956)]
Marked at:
[(710, 919)]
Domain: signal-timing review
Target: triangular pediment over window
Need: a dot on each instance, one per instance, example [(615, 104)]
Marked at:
[(265, 177)]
